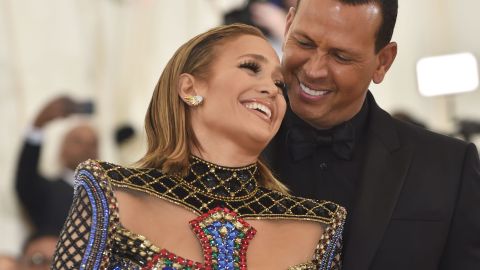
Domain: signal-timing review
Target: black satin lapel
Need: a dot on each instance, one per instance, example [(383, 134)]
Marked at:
[(385, 168), (382, 182)]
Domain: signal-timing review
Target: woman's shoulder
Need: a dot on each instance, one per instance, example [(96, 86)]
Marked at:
[(133, 178), (117, 173), (278, 204), (104, 176), (90, 174)]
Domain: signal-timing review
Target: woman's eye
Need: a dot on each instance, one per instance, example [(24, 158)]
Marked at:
[(281, 85), (253, 66)]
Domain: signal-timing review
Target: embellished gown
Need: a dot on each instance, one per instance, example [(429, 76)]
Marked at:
[(222, 199)]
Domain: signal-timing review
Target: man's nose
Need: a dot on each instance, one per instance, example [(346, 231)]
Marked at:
[(316, 66)]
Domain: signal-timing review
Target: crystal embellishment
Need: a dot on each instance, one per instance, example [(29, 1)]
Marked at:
[(224, 238)]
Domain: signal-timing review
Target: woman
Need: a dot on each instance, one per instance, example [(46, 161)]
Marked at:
[(201, 199)]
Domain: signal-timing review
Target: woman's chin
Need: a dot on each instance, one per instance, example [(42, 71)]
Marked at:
[(257, 141)]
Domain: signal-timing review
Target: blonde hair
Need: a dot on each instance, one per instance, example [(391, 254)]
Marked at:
[(169, 132)]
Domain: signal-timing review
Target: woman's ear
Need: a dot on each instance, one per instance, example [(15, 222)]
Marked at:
[(187, 89), (186, 84)]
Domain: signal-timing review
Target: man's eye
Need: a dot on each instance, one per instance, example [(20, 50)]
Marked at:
[(305, 44), (281, 85), (341, 58), (253, 66)]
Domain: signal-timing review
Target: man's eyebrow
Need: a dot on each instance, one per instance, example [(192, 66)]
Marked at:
[(346, 50), (301, 33)]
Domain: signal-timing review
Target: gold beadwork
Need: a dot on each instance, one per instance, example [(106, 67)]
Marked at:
[(256, 202), (259, 203)]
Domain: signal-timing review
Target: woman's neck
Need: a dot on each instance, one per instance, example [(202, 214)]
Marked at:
[(225, 153)]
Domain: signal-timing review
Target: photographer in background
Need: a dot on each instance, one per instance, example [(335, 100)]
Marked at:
[(47, 201)]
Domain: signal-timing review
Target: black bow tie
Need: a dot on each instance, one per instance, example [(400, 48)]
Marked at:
[(303, 142)]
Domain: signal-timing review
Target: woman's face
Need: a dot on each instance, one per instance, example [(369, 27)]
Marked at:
[(243, 101)]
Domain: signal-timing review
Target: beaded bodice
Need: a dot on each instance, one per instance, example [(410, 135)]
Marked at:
[(221, 197)]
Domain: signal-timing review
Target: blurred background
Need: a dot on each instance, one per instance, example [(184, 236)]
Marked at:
[(108, 55)]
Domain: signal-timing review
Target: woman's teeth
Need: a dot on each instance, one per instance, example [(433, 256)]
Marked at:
[(259, 107)]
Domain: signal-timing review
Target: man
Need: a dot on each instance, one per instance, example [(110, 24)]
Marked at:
[(47, 202), (412, 195)]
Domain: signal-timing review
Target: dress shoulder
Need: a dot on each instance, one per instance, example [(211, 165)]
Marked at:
[(278, 204), (135, 178), (86, 236)]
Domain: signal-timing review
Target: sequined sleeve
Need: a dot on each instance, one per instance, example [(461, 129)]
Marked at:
[(83, 240), (329, 249)]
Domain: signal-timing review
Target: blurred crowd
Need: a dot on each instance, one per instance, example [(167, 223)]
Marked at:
[(45, 202)]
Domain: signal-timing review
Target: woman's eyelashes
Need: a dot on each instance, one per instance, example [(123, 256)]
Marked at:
[(250, 65), (256, 68), (281, 85)]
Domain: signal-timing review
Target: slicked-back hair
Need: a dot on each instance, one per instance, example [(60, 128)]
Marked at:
[(388, 9), (170, 136)]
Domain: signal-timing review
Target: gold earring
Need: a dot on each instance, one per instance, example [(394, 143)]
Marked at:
[(193, 100)]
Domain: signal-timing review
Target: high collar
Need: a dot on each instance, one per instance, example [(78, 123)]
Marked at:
[(220, 182)]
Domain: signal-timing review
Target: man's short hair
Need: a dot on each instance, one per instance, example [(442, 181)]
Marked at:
[(389, 10)]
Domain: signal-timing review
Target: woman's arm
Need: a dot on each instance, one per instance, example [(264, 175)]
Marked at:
[(85, 235)]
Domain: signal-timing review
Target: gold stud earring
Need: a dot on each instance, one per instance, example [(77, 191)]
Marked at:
[(193, 100)]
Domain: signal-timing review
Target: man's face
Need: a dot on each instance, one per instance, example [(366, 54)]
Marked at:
[(329, 59), (80, 144)]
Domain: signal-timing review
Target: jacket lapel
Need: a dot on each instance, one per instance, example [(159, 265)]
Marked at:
[(385, 168)]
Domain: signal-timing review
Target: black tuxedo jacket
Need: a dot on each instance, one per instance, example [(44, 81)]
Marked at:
[(46, 202), (417, 201)]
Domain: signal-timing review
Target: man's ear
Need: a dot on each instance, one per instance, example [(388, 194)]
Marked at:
[(186, 86), (385, 58), (289, 20)]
